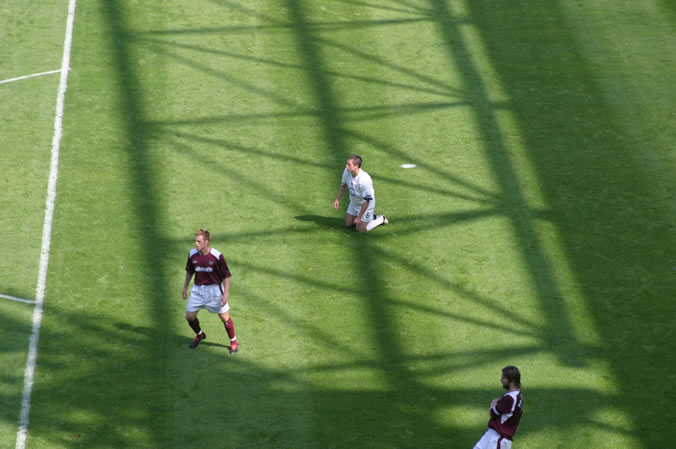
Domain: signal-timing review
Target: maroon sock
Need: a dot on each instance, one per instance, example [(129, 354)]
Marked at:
[(195, 324), (230, 328)]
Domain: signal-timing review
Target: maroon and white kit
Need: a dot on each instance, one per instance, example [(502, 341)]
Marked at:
[(505, 417), (210, 270)]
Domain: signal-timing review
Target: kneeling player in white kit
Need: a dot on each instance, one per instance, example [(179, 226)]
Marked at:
[(210, 289), (505, 413), (361, 211)]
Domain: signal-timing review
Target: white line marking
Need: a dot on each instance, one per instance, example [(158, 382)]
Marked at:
[(46, 235), (29, 76), (407, 165), (14, 298)]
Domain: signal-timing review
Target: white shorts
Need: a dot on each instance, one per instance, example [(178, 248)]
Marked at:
[(369, 213), (207, 297), (493, 440)]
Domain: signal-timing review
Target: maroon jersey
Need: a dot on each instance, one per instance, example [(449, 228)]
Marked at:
[(208, 268), (506, 414)]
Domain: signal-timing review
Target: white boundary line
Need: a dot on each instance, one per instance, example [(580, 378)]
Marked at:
[(14, 298), (46, 235), (29, 76)]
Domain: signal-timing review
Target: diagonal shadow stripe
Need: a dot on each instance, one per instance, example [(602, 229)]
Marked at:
[(522, 221)]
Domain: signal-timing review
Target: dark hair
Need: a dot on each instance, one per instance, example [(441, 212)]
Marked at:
[(512, 374), (355, 160)]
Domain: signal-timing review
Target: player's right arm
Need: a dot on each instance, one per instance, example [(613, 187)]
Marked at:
[(188, 277), (189, 271), (494, 402), (341, 190)]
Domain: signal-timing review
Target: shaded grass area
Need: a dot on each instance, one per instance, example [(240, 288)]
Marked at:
[(14, 345), (608, 193), (27, 109), (101, 383), (239, 118)]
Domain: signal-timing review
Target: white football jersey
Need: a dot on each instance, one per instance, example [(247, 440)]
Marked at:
[(360, 187)]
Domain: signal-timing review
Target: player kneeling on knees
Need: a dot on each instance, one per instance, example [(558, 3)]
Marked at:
[(361, 210)]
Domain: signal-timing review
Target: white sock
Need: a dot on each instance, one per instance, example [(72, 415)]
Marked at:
[(375, 222)]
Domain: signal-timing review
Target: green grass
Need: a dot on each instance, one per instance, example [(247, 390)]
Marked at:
[(536, 229)]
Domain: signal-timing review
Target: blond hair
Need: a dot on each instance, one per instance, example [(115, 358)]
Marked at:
[(204, 233)]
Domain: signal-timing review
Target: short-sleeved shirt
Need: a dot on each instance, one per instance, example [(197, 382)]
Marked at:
[(360, 187), (209, 268), (506, 414)]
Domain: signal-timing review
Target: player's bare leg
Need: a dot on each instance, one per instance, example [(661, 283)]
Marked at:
[(349, 220)]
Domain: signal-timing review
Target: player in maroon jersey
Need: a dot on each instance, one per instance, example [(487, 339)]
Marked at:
[(210, 289), (505, 413)]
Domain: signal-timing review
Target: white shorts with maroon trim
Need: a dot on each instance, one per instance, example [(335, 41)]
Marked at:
[(493, 440), (207, 297)]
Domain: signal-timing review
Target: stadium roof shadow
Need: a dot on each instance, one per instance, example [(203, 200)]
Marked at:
[(262, 407), (595, 257), (612, 238), (263, 397)]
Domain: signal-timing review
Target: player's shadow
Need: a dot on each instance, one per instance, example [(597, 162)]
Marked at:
[(337, 223), (176, 340), (140, 330), (205, 343)]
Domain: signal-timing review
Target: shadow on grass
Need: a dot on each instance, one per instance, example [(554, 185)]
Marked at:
[(322, 221), (601, 204), (138, 386), (99, 395), (586, 190), (113, 389), (403, 414)]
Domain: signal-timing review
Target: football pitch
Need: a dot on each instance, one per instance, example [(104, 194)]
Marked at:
[(536, 228)]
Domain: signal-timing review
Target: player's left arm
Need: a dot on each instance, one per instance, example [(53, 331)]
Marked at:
[(224, 271), (226, 291)]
